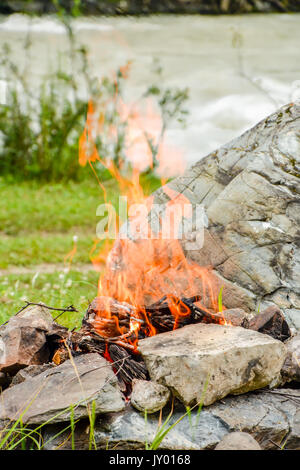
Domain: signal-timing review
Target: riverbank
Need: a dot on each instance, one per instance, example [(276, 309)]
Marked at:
[(145, 7)]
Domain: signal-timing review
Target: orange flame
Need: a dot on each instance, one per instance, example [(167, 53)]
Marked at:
[(142, 271)]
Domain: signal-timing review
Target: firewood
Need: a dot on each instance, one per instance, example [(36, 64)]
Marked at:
[(130, 367), (107, 330), (111, 318)]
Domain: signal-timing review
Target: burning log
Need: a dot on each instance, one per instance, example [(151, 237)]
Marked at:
[(103, 312), (112, 319), (127, 366), (107, 330), (170, 312)]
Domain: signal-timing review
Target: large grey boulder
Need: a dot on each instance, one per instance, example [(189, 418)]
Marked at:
[(272, 418), (49, 395), (250, 190), (207, 362)]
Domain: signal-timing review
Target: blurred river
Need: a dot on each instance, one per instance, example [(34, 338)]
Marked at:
[(231, 88)]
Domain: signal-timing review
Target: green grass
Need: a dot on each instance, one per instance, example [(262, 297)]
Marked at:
[(37, 228), (29, 207), (57, 289), (34, 249)]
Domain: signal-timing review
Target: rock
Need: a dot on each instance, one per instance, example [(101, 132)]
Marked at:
[(293, 319), (238, 441), (235, 317), (129, 430), (272, 418), (89, 378), (250, 192), (222, 359), (148, 395), (23, 339), (39, 316), (291, 367), (293, 439), (269, 416), (30, 371)]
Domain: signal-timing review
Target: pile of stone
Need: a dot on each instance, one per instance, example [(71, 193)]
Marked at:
[(202, 363)]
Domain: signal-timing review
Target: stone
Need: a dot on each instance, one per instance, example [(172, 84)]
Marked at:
[(30, 371), (129, 430), (238, 441), (250, 192), (212, 361), (271, 417), (234, 317), (79, 382), (148, 395), (291, 367), (23, 339), (39, 316), (293, 439), (293, 318)]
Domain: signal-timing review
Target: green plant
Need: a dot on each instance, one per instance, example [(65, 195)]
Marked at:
[(73, 7), (40, 127), (163, 430), (220, 299), (39, 131), (17, 436), (72, 421), (92, 418), (188, 409)]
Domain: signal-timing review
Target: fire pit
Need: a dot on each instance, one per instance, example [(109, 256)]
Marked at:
[(113, 329)]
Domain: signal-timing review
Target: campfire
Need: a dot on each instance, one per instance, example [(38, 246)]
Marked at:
[(139, 298), (140, 292), (157, 335), (113, 329)]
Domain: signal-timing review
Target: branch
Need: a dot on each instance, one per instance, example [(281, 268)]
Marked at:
[(71, 308)]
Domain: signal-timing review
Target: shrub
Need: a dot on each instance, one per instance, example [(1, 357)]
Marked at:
[(40, 129)]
